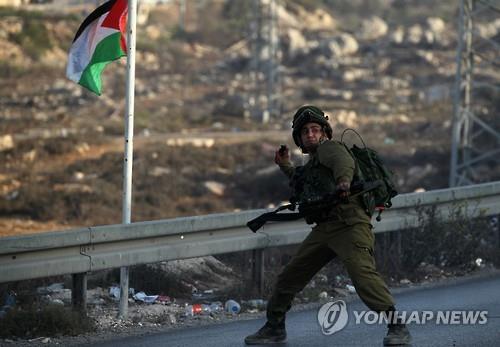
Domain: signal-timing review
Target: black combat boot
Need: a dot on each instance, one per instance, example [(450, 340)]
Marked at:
[(268, 334), (397, 334)]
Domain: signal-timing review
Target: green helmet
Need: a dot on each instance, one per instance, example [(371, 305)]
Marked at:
[(308, 114)]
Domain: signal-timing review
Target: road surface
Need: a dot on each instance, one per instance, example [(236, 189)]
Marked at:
[(303, 329)]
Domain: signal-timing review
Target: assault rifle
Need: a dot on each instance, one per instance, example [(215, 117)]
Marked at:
[(310, 207)]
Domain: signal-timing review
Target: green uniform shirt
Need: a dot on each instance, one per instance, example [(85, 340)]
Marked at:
[(328, 166)]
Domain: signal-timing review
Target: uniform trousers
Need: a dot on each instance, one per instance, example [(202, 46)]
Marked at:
[(354, 245)]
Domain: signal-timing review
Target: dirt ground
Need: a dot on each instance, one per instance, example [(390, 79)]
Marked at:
[(196, 149), (58, 183), (149, 319)]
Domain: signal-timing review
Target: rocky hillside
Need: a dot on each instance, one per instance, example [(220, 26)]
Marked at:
[(386, 68)]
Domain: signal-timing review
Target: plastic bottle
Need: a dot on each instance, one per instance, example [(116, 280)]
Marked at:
[(216, 307), (206, 309), (232, 306)]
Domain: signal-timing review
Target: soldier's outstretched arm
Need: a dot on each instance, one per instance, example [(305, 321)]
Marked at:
[(282, 159)]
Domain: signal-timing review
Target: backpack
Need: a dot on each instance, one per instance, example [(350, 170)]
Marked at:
[(370, 168)]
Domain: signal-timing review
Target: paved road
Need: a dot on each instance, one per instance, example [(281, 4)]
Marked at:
[(303, 329)]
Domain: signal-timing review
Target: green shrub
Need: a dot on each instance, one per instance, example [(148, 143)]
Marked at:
[(33, 38), (9, 71), (455, 243)]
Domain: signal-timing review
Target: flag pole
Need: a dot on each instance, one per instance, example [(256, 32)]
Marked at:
[(129, 145)]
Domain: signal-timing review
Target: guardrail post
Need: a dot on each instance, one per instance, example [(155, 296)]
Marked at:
[(79, 292), (258, 270)]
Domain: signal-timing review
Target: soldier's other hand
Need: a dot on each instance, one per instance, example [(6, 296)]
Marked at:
[(282, 155), (343, 189)]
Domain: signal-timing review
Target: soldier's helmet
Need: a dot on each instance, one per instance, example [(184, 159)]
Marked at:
[(308, 114)]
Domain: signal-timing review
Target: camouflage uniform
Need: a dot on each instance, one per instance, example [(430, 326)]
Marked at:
[(345, 232)]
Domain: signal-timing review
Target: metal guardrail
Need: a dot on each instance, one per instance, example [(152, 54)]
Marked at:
[(103, 247)]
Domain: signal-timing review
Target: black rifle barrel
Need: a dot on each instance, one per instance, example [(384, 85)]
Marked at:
[(328, 200)]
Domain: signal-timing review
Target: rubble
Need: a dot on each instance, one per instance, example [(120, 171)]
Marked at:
[(340, 46), (6, 142), (373, 28), (296, 43), (216, 188)]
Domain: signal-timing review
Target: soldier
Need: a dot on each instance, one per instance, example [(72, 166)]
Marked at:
[(343, 231)]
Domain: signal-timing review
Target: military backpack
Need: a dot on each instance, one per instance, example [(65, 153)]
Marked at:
[(371, 168)]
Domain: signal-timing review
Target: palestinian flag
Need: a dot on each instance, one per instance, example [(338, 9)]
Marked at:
[(99, 41)]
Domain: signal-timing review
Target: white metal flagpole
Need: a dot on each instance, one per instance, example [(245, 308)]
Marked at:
[(129, 144)]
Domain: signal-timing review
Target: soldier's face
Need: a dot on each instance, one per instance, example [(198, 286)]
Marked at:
[(311, 134)]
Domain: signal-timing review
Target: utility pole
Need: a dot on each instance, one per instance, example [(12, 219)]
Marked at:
[(476, 124), (264, 99), (182, 15)]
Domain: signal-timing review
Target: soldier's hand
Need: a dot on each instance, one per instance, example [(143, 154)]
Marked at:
[(282, 155), (343, 190)]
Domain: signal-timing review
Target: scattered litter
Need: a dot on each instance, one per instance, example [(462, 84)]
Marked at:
[(148, 299), (216, 307), (53, 288), (405, 281), (204, 309), (36, 339), (114, 292), (197, 309), (350, 288), (163, 299), (232, 306), (323, 295), (256, 303), (479, 262)]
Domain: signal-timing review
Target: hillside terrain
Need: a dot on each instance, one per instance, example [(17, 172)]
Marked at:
[(383, 67), (386, 69)]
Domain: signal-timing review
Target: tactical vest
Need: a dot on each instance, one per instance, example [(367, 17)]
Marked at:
[(311, 181)]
